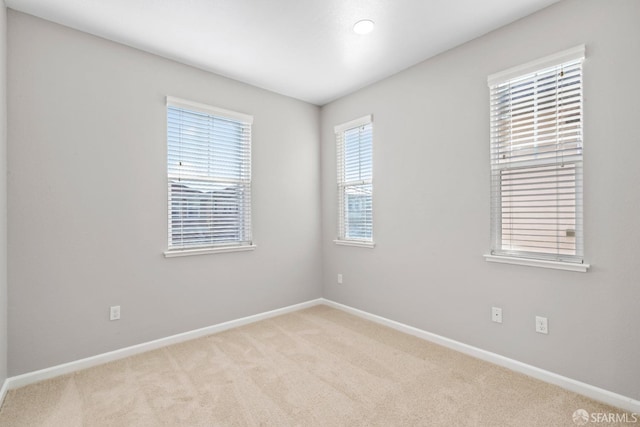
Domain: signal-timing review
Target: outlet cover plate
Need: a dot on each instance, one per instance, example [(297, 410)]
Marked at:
[(542, 325), (496, 314)]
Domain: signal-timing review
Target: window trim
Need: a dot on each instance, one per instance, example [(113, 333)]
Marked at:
[(356, 243), (204, 251), (340, 240), (568, 55), (224, 247), (536, 262), (208, 109), (528, 259)]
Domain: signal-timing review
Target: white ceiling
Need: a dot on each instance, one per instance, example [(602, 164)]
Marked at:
[(305, 49)]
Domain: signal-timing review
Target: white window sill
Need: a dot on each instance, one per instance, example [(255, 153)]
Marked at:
[(357, 243), (204, 251), (558, 265)]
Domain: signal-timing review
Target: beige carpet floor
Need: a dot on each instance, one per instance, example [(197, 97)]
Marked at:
[(314, 367)]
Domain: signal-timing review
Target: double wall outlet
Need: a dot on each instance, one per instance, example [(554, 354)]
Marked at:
[(114, 312), (496, 314), (542, 326)]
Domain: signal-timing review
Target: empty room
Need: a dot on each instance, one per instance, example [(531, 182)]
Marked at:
[(319, 213)]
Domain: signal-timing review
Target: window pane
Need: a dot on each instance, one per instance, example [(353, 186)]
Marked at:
[(355, 171), (358, 212), (539, 209), (536, 164), (358, 154), (208, 164)]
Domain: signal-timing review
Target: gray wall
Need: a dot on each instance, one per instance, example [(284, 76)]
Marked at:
[(88, 200), (431, 202), (3, 192)]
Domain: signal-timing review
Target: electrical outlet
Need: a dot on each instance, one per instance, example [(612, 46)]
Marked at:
[(339, 279), (114, 312), (542, 326), (496, 314)]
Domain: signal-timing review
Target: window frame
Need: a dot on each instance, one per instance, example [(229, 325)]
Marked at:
[(343, 185), (245, 240), (522, 257)]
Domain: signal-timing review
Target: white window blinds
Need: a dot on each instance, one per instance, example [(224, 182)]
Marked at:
[(209, 176), (536, 159), (354, 142)]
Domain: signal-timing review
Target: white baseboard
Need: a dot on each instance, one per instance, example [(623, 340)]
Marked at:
[(3, 390), (65, 368), (584, 389)]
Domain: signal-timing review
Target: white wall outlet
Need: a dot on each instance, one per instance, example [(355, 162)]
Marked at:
[(114, 312), (542, 326), (496, 314), (339, 279)]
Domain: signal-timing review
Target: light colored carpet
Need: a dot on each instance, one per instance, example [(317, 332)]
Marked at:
[(315, 367)]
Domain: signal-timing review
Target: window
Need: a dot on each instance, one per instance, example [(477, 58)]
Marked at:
[(354, 141), (536, 161), (209, 178)]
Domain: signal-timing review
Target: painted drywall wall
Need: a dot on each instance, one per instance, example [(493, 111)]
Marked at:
[(88, 200), (3, 192), (431, 202)]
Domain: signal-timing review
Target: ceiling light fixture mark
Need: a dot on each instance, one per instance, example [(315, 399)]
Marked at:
[(364, 26)]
